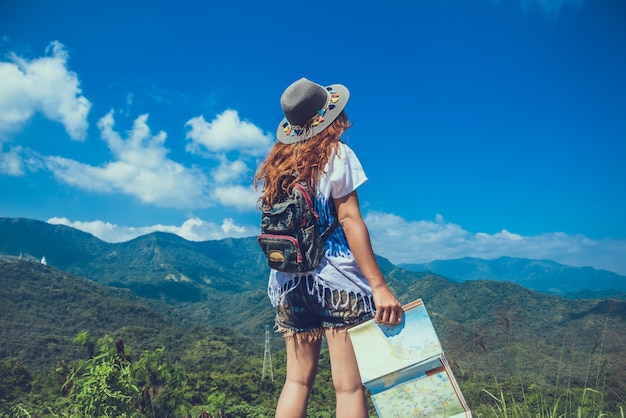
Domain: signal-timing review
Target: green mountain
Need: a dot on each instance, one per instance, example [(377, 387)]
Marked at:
[(154, 265), (43, 309), (541, 275), (203, 279)]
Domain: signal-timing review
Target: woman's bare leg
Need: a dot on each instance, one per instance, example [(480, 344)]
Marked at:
[(302, 359), (349, 390)]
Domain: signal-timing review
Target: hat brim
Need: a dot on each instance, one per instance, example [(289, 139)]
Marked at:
[(329, 116)]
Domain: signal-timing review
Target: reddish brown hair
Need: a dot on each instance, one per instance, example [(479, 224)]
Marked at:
[(307, 159)]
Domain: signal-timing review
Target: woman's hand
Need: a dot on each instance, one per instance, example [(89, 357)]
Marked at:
[(388, 308)]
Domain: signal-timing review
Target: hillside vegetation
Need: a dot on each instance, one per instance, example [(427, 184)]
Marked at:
[(65, 341)]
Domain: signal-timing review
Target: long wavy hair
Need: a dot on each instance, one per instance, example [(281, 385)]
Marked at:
[(306, 159)]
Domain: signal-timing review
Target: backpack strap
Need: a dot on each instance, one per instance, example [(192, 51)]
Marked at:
[(330, 230), (309, 200), (334, 225)]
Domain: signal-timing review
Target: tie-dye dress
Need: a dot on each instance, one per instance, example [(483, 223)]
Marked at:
[(338, 271)]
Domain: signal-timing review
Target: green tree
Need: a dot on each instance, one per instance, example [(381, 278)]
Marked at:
[(102, 386), (110, 384), (165, 389)]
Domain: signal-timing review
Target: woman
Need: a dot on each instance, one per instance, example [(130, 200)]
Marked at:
[(347, 288)]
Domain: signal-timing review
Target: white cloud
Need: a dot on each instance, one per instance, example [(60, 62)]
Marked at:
[(403, 241), (239, 197), (196, 229), (229, 171), (141, 169), (11, 162), (17, 160), (193, 229), (43, 85), (227, 132)]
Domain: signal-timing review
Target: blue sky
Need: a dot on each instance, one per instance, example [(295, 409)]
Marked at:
[(486, 128)]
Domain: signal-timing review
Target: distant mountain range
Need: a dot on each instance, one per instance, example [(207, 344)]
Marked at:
[(162, 265), (541, 275)]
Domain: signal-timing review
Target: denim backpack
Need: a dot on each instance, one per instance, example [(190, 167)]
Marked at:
[(290, 234)]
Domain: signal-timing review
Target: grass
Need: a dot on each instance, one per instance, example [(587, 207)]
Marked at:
[(505, 405), (564, 400)]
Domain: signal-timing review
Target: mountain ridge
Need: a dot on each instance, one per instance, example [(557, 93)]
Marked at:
[(545, 276), (165, 265)]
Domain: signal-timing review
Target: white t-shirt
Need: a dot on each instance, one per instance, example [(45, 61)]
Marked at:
[(338, 269)]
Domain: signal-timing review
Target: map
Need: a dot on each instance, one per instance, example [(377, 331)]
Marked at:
[(404, 368)]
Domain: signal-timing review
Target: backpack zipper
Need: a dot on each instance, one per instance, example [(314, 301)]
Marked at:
[(288, 238)]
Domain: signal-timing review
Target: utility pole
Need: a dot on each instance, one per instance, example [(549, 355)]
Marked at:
[(267, 357)]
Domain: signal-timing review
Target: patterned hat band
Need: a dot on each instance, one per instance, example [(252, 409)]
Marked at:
[(308, 109)]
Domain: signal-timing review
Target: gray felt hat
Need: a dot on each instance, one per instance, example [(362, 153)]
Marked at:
[(309, 108)]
